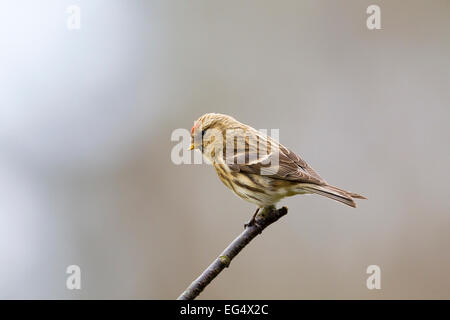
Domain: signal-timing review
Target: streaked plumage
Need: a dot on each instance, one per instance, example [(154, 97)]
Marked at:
[(245, 170)]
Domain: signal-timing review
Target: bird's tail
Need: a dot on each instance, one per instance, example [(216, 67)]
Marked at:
[(334, 193)]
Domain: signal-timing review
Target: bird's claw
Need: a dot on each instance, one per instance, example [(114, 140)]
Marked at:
[(251, 223)]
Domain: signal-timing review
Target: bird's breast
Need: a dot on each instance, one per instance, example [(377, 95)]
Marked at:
[(257, 189)]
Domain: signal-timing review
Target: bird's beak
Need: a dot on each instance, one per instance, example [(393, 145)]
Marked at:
[(192, 147)]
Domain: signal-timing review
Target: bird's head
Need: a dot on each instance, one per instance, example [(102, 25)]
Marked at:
[(208, 127)]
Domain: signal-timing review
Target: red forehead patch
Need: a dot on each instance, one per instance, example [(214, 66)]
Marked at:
[(194, 127)]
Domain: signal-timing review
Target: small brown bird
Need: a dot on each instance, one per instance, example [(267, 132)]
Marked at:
[(255, 167)]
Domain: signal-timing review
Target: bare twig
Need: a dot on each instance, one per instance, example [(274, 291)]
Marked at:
[(265, 218)]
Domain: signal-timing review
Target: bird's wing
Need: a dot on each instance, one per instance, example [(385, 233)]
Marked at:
[(296, 168), (288, 166)]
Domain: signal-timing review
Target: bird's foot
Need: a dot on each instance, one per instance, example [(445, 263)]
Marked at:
[(252, 221)]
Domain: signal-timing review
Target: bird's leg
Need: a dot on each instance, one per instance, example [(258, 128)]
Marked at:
[(252, 220)]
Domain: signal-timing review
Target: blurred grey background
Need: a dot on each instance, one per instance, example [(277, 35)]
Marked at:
[(86, 117)]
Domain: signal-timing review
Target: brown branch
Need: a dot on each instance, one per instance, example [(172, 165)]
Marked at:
[(266, 217)]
